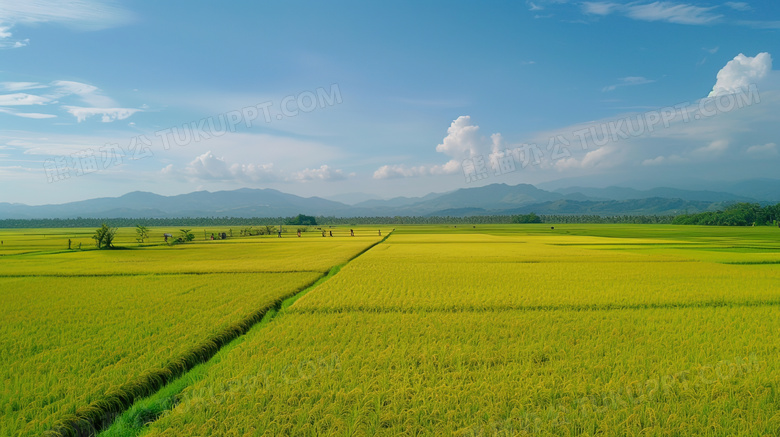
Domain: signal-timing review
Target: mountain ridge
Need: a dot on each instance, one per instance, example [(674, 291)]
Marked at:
[(489, 199)]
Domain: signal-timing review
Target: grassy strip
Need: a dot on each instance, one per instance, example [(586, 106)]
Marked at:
[(133, 421)]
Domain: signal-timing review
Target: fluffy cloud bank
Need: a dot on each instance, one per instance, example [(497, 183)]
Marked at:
[(208, 167), (741, 72), (463, 141), (726, 132)]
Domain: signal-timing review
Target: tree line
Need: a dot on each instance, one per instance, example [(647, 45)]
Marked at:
[(739, 214)]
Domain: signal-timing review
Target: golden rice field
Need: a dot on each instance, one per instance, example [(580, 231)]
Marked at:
[(620, 372), (77, 325), (581, 330)]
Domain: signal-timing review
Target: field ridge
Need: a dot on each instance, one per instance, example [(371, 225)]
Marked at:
[(530, 308)]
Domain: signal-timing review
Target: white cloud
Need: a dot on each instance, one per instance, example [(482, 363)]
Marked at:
[(21, 99), (673, 13), (534, 7), (66, 87), (655, 11), (89, 94), (741, 72), (765, 150), (20, 86), (628, 81), (108, 114), (739, 6), (27, 114), (6, 35), (209, 167), (671, 159), (715, 148), (324, 173), (603, 157), (696, 140), (399, 171), (463, 141), (599, 8), (80, 14)]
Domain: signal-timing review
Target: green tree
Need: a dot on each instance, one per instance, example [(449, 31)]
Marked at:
[(104, 237), (141, 233), (527, 218), (301, 219), (185, 235)]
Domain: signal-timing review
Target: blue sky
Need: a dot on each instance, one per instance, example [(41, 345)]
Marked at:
[(102, 98)]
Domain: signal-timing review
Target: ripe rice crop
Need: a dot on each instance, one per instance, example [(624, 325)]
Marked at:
[(470, 272), (85, 330), (64, 342), (687, 371)]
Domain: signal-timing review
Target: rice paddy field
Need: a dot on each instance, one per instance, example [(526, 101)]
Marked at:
[(81, 326), (581, 330)]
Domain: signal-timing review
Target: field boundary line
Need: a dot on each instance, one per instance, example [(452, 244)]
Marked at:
[(108, 275), (100, 414), (506, 308)]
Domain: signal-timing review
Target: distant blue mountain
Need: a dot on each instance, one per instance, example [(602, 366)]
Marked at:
[(489, 199)]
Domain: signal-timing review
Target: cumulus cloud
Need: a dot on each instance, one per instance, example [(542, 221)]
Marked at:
[(208, 167), (655, 11), (463, 141), (707, 136), (741, 72), (324, 173)]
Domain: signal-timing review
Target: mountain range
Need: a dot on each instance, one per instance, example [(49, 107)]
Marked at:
[(489, 199)]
